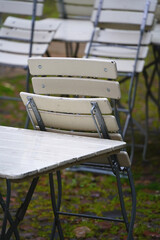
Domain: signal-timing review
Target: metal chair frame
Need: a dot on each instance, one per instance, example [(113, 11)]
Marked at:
[(114, 165), (149, 81), (13, 229), (133, 78)]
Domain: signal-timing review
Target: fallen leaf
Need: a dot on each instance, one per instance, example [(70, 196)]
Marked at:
[(81, 231)]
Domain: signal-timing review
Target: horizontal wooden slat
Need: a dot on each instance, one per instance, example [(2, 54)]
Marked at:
[(113, 136), (9, 59), (22, 48), (76, 86), (115, 36), (137, 5), (75, 122), (117, 52), (68, 105), (20, 7), (126, 65), (47, 24), (24, 35), (125, 19), (122, 156), (72, 67)]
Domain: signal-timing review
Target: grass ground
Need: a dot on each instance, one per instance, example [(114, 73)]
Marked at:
[(88, 192)]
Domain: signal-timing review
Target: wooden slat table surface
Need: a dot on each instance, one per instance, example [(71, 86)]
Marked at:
[(25, 153)]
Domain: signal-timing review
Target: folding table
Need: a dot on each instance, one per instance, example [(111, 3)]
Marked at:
[(28, 153)]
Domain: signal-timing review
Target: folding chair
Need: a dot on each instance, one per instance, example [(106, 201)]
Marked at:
[(155, 74), (76, 26), (122, 33), (89, 115), (18, 37)]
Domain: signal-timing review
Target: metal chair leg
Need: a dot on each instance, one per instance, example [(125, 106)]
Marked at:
[(123, 210), (7, 215), (56, 206), (22, 210), (133, 211)]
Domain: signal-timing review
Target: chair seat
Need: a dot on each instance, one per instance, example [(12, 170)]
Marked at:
[(74, 31)]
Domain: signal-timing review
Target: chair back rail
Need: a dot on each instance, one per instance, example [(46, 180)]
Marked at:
[(21, 7), (75, 9), (76, 86), (62, 66)]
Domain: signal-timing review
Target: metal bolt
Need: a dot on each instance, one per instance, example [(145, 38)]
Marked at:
[(105, 69), (40, 66), (43, 86), (108, 90)]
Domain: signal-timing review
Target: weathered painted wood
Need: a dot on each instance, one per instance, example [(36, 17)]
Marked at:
[(20, 7), (72, 67), (25, 153), (125, 65), (124, 37), (68, 105), (47, 24), (24, 35), (22, 48), (76, 86), (127, 5), (128, 52), (9, 59), (122, 19)]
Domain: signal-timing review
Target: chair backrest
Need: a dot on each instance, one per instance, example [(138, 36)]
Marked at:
[(76, 9), (17, 34), (92, 80), (124, 14), (122, 32)]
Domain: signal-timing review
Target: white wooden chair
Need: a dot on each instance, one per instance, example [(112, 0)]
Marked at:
[(89, 115), (122, 33), (76, 26), (21, 38)]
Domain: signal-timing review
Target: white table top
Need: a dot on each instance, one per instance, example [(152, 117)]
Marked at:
[(25, 153)]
